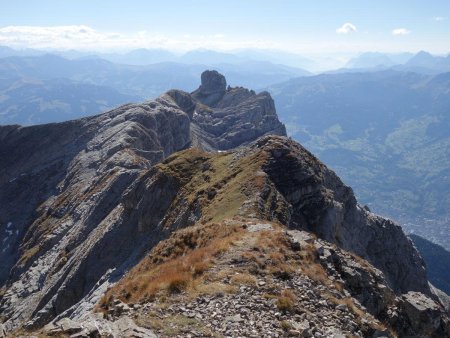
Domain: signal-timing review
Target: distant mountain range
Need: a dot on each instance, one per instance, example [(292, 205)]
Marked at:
[(422, 62), (426, 63), (145, 56), (386, 133), (377, 59), (144, 81), (50, 88), (27, 102)]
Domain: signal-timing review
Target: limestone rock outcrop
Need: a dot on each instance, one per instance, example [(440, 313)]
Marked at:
[(83, 202), (224, 118), (322, 204), (212, 88)]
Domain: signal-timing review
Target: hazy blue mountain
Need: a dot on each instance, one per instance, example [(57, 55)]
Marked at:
[(145, 81), (6, 51), (50, 88), (205, 56), (145, 56), (386, 133), (357, 70), (278, 57), (377, 59), (400, 58), (51, 66), (422, 62), (370, 59), (254, 73), (425, 63), (141, 57), (424, 59), (437, 260), (27, 102)]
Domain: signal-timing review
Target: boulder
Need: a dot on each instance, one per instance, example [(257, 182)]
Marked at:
[(425, 315)]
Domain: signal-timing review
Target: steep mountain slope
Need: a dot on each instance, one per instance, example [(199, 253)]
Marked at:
[(236, 208), (98, 194), (386, 134)]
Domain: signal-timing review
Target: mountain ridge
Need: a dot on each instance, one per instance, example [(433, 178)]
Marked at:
[(116, 184)]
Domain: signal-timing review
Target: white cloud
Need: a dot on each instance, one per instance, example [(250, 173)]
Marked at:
[(400, 31), (346, 28), (439, 18), (83, 37)]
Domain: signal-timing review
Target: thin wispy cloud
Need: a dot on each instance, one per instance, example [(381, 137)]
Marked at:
[(83, 37), (346, 28), (439, 18), (400, 31)]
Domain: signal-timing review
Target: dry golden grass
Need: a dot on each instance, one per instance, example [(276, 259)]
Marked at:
[(285, 325), (277, 257), (174, 265), (316, 272), (282, 270), (213, 288), (272, 242), (243, 278), (339, 286), (286, 301)]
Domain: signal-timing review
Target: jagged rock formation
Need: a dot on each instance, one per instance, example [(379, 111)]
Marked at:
[(212, 88), (225, 118), (95, 198), (321, 203)]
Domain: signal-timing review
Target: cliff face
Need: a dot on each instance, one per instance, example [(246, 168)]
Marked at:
[(83, 202), (322, 204), (225, 118)]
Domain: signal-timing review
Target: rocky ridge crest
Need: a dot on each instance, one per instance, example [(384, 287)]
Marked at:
[(97, 194)]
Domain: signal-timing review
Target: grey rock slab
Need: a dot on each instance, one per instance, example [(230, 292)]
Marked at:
[(259, 227)]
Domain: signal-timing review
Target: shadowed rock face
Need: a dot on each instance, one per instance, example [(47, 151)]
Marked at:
[(60, 183), (322, 204), (225, 118), (83, 201), (212, 88), (233, 116)]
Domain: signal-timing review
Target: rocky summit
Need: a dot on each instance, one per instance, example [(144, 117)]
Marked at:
[(193, 215)]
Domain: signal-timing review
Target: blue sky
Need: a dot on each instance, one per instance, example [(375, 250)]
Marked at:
[(296, 26)]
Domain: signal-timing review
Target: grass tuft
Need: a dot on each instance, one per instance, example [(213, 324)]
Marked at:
[(286, 301)]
